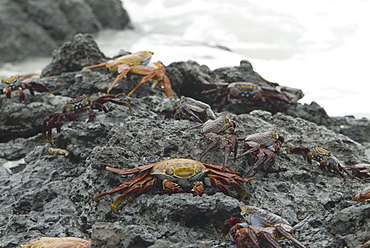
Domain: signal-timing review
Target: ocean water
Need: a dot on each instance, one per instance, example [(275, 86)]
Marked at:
[(319, 46)]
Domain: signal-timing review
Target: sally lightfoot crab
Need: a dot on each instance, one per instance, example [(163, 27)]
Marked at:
[(53, 242), (221, 132), (258, 224), (361, 170), (187, 108), (137, 63), (176, 175), (76, 106), (123, 64), (363, 196), (325, 158), (264, 147), (156, 72), (19, 84), (251, 92)]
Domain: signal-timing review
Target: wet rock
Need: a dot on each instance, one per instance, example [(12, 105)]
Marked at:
[(35, 28), (52, 195), (74, 55)]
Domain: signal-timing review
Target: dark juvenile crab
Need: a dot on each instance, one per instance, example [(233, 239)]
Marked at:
[(19, 84), (187, 108), (363, 196), (176, 175), (76, 106), (325, 158), (252, 93), (264, 147), (258, 224), (221, 132)]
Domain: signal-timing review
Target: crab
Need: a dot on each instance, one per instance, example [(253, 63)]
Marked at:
[(264, 147), (246, 90), (52, 242), (156, 72), (258, 224), (19, 84), (221, 132), (76, 106), (137, 63), (325, 158), (362, 169), (176, 176), (362, 197), (123, 64), (189, 106), (293, 94), (364, 245)]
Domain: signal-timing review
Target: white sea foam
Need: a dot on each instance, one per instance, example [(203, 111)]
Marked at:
[(320, 46)]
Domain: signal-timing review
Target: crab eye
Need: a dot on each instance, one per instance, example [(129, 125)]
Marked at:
[(169, 171)]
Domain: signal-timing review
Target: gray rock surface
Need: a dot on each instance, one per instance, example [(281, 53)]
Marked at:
[(36, 28), (43, 194)]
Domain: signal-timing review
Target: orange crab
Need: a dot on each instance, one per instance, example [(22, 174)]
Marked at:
[(177, 176), (51, 242), (137, 63), (157, 73), (362, 197)]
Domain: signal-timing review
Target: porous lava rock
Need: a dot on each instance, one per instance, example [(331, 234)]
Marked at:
[(35, 28), (46, 194)]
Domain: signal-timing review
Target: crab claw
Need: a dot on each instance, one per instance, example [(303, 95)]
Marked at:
[(304, 151), (171, 187)]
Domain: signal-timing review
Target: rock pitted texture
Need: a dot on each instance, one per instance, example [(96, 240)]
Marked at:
[(36, 28), (43, 194)]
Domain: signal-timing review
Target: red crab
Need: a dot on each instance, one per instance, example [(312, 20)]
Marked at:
[(76, 106), (19, 84), (258, 224), (221, 132), (175, 175), (252, 92), (362, 197), (264, 147), (325, 158)]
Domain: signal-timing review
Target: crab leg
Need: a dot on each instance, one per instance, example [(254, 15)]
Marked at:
[(219, 181), (228, 224), (171, 187), (130, 171), (94, 66), (304, 151), (289, 236), (145, 185), (253, 237), (270, 239), (122, 69), (167, 86), (337, 168)]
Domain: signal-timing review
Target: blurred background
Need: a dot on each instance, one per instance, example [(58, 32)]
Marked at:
[(319, 46)]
